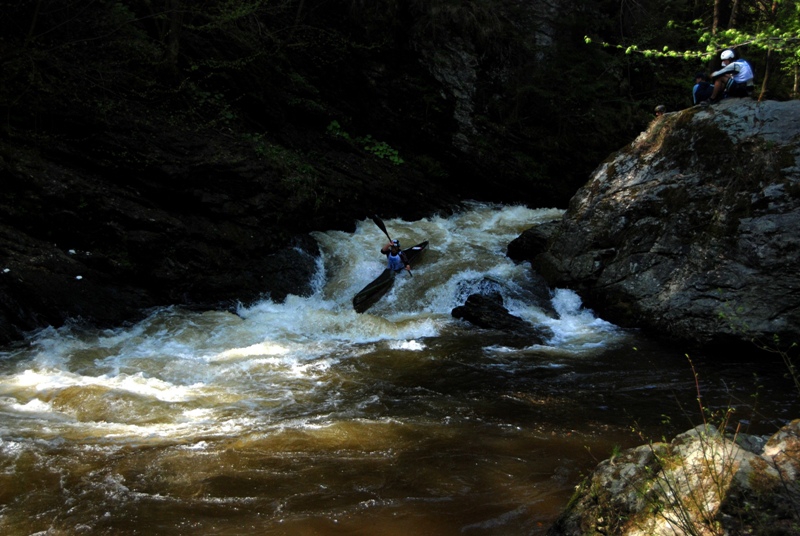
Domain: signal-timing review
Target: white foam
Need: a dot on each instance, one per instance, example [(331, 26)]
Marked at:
[(577, 328), (262, 348), (411, 345), (44, 381), (228, 373)]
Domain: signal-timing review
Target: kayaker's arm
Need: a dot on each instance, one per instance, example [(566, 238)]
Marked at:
[(405, 262)]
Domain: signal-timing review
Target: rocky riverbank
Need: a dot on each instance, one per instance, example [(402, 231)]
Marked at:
[(690, 232), (181, 157), (702, 482)]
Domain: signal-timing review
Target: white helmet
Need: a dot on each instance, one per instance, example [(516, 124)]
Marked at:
[(726, 55)]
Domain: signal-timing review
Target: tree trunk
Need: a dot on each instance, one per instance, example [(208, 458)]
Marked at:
[(732, 21), (175, 14), (715, 21), (763, 94), (34, 19)]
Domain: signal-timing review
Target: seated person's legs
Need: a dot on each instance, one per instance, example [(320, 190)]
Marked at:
[(719, 87)]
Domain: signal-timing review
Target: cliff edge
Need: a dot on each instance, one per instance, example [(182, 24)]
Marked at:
[(690, 232)]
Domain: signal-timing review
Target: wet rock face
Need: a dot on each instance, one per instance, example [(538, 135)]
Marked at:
[(47, 284), (700, 483), (84, 239), (691, 231), (531, 242), (487, 311)]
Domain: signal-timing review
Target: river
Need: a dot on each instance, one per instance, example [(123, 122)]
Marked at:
[(305, 418)]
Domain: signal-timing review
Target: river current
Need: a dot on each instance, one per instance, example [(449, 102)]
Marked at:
[(305, 418)]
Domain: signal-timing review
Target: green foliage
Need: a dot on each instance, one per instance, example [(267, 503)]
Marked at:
[(335, 129), (752, 27), (381, 149), (265, 66), (368, 143), (83, 58)]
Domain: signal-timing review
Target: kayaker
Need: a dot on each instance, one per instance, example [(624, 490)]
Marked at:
[(395, 257)]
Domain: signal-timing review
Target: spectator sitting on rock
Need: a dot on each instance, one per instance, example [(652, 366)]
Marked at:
[(702, 88), (735, 79)]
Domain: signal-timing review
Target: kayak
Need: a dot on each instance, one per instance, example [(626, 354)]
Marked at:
[(373, 292)]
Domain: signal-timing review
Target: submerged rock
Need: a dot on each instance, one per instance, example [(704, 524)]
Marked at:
[(691, 231), (487, 311)]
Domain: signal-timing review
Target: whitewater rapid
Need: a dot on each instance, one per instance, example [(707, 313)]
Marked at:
[(104, 429)]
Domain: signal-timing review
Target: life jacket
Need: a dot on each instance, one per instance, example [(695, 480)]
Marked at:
[(396, 262), (743, 73)]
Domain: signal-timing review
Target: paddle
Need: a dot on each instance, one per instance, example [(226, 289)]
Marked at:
[(380, 224)]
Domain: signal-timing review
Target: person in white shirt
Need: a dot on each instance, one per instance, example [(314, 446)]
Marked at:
[(735, 79)]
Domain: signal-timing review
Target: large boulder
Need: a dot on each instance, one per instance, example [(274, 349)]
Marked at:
[(703, 482), (531, 242), (691, 230)]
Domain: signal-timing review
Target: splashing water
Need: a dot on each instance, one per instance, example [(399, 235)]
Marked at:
[(305, 417)]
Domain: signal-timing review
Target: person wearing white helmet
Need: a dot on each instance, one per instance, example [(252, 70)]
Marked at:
[(735, 79), (395, 258)]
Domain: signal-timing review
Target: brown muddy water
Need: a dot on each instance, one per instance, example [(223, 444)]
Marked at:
[(305, 418)]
